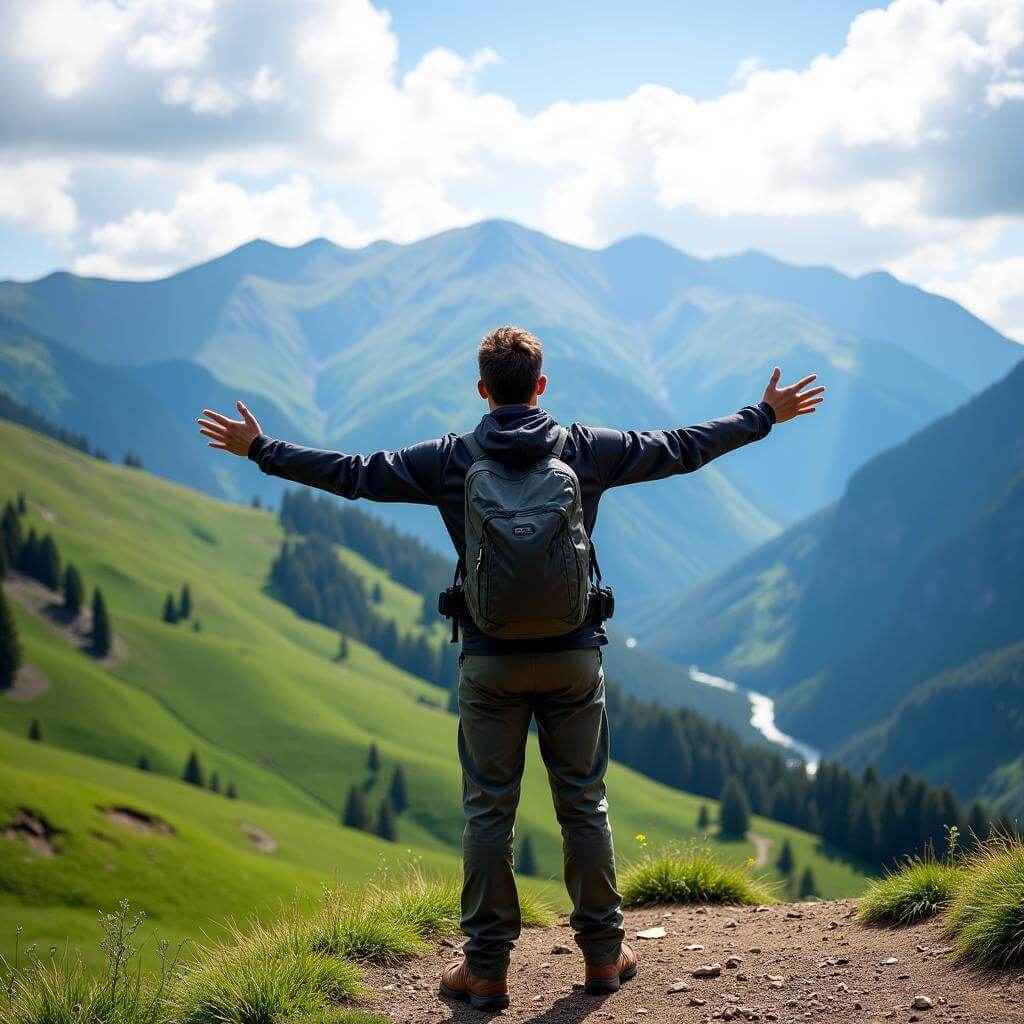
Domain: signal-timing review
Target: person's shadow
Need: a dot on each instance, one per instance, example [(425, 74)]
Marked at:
[(567, 1009)]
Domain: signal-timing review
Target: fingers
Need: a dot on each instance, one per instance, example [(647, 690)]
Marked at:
[(223, 420), (805, 412), (246, 415), (211, 426), (213, 444), (802, 383), (216, 436), (810, 394), (776, 374)]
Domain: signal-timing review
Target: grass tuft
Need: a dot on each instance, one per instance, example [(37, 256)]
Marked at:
[(690, 876), (986, 915), (918, 890)]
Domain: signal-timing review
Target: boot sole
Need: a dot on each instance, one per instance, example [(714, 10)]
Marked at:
[(487, 1004), (607, 986)]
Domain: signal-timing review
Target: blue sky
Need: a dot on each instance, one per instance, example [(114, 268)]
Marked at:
[(576, 51), (140, 138)]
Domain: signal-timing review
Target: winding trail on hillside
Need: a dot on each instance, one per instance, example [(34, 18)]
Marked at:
[(795, 962), (763, 848)]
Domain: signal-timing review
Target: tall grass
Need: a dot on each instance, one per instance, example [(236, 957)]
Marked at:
[(690, 876), (303, 967), (986, 914), (918, 889)]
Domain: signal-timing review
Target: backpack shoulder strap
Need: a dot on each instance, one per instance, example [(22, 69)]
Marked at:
[(474, 448), (563, 436)]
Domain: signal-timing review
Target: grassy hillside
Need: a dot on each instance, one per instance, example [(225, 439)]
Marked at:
[(256, 693)]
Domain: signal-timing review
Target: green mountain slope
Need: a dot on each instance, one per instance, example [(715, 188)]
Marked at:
[(368, 349), (918, 569), (256, 692)]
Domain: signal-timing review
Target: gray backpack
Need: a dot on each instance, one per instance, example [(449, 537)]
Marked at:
[(527, 561)]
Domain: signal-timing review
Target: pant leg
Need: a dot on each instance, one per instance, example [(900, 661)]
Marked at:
[(573, 732), (494, 719)]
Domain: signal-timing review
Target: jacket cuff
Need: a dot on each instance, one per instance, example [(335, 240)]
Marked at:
[(769, 412), (256, 446)]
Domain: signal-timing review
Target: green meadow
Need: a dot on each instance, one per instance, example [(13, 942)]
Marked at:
[(258, 694)]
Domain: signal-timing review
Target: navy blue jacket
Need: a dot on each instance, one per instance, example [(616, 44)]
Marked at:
[(434, 473)]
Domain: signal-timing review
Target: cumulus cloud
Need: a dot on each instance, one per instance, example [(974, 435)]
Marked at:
[(901, 149), (35, 197)]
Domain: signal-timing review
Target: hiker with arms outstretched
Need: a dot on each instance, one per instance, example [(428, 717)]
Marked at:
[(519, 498)]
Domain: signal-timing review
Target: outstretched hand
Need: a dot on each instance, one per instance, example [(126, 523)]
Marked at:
[(233, 436), (793, 400)]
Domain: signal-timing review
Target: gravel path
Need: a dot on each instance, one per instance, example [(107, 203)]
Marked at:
[(793, 963)]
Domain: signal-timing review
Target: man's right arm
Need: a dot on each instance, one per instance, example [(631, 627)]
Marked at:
[(411, 475)]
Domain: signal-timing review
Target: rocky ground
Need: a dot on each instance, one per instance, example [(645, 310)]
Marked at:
[(798, 962)]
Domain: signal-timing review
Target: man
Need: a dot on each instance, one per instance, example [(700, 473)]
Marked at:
[(503, 682)]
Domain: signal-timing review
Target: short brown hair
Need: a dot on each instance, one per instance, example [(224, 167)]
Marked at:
[(510, 360)]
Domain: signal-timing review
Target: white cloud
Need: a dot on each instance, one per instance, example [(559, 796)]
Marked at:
[(34, 196), (992, 290), (900, 150), (208, 219)]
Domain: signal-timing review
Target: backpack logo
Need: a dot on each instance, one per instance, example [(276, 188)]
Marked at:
[(524, 531)]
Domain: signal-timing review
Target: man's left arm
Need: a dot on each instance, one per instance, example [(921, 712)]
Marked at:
[(410, 475)]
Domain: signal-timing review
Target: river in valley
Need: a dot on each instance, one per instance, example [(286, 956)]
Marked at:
[(762, 717)]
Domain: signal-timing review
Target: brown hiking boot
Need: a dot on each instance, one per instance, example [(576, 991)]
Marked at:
[(606, 978), (459, 982)]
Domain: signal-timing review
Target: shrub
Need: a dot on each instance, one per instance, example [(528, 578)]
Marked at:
[(692, 876), (918, 890), (986, 914)]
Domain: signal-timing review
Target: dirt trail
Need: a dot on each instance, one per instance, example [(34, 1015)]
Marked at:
[(819, 965), (764, 848)]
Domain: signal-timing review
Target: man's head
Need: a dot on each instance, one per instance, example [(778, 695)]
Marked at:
[(510, 362)]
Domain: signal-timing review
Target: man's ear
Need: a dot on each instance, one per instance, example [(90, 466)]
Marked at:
[(481, 390), (542, 383)]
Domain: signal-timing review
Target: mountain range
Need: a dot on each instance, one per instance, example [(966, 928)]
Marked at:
[(374, 348), (888, 626)]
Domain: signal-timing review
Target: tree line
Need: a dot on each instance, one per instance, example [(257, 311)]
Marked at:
[(15, 412), (878, 821), (308, 576), (406, 559), (39, 558), (357, 812)]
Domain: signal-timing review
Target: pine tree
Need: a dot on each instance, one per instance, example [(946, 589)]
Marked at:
[(256, 503), (185, 604), (74, 591), (356, 813), (373, 759), (343, 648), (193, 773), (231, 793), (102, 635), (978, 822), (387, 825), (170, 612), (22, 503), (48, 569), (35, 733), (197, 626), (396, 791), (28, 558), (143, 763), (10, 645), (378, 593), (735, 814), (808, 887), (526, 862), (215, 783), (785, 862), (10, 526), (703, 818)]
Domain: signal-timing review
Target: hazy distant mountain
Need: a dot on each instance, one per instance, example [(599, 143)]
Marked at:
[(850, 616), (375, 348)]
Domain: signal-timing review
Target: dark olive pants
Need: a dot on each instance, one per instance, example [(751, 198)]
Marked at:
[(498, 694)]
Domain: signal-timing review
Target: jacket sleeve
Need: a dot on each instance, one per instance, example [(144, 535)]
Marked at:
[(631, 457), (409, 475)]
